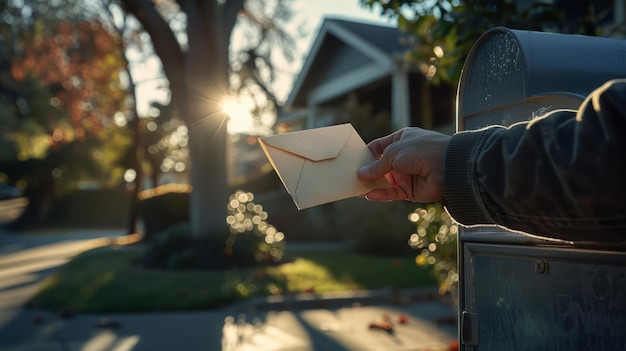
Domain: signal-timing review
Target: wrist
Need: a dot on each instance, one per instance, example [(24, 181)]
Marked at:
[(460, 193)]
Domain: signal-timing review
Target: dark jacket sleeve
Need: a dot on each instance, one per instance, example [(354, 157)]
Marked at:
[(561, 176)]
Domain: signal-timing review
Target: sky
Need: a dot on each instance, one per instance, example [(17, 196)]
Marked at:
[(312, 12), (307, 13)]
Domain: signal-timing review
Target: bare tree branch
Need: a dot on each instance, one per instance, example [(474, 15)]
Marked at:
[(230, 11), (163, 39)]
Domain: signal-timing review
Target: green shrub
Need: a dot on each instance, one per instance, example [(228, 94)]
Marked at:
[(436, 235), (376, 228), (90, 208), (176, 248), (250, 232), (162, 211), (251, 241), (170, 249)]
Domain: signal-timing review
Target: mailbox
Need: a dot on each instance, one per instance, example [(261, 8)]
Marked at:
[(518, 292)]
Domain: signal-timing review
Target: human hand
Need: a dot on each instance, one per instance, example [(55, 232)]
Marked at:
[(412, 159)]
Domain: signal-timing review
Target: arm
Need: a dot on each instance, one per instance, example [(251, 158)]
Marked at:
[(562, 176)]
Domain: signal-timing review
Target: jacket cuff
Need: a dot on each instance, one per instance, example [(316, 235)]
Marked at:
[(460, 193)]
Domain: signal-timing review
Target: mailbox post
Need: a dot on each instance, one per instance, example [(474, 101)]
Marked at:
[(518, 292)]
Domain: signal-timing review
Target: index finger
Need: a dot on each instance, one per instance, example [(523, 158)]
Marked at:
[(378, 146)]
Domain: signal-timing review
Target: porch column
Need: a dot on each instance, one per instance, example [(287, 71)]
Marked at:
[(620, 12), (400, 104), (311, 112)]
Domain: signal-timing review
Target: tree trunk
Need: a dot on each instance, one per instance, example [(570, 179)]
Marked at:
[(136, 152), (207, 143), (40, 194), (198, 81), (206, 78)]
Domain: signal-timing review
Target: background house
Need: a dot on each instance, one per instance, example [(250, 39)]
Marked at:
[(354, 64)]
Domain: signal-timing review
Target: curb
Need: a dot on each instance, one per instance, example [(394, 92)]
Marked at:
[(304, 301)]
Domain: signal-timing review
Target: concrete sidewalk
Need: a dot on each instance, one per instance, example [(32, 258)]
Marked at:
[(415, 326), (419, 325)]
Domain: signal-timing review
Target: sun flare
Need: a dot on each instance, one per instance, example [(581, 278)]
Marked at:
[(240, 119)]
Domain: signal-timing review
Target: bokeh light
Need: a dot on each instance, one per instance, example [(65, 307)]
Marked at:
[(248, 218), (130, 175), (436, 237)]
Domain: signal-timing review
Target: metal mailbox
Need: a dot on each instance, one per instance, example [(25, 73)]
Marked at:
[(518, 292)]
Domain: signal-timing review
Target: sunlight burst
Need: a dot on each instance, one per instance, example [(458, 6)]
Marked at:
[(240, 119)]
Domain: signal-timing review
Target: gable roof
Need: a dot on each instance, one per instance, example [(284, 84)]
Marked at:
[(375, 43), (386, 39)]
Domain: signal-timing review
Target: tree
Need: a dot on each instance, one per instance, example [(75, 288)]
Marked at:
[(61, 87), (192, 39), (127, 36), (164, 142), (446, 30)]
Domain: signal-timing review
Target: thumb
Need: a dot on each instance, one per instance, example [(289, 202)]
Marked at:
[(376, 170)]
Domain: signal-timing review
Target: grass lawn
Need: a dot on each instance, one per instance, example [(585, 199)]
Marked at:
[(106, 280)]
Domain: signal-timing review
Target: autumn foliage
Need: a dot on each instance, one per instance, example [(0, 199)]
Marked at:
[(80, 64)]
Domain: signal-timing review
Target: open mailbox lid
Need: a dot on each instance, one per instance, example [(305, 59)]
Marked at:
[(513, 75)]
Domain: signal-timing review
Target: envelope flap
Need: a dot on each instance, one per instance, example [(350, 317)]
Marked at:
[(314, 144)]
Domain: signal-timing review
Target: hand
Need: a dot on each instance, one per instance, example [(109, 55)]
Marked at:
[(412, 159)]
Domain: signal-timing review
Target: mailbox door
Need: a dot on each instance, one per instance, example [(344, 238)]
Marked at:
[(520, 297)]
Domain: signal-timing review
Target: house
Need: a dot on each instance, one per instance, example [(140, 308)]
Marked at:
[(365, 64)]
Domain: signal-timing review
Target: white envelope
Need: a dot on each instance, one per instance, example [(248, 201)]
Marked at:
[(319, 166)]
